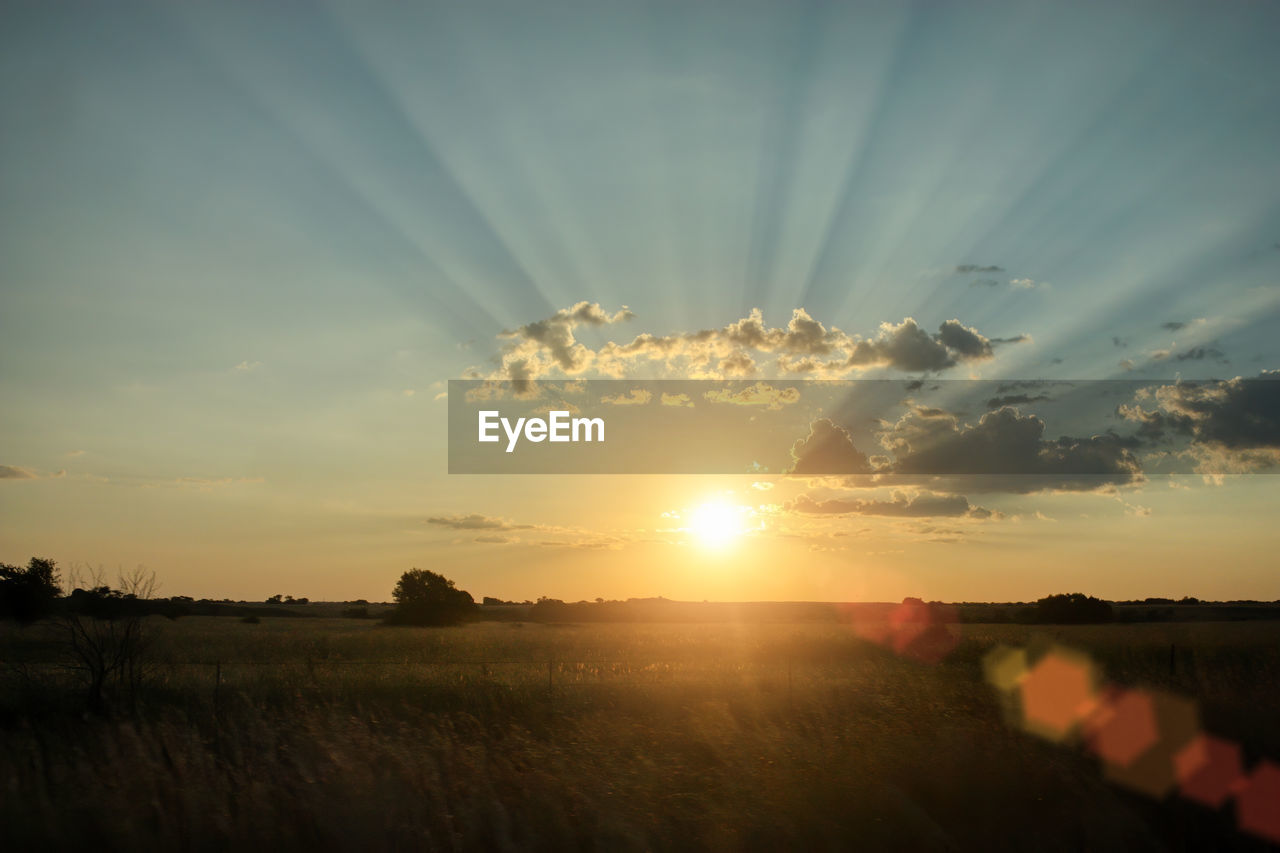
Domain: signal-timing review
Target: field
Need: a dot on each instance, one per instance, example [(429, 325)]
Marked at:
[(326, 734)]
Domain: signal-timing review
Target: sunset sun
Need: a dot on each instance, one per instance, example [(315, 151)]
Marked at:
[(716, 524)]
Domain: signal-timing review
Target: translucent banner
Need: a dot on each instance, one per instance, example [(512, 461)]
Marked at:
[(1118, 430)]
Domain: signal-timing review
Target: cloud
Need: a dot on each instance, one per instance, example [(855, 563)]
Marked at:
[(759, 394), (902, 505), (596, 543), (1028, 284), (635, 397), (537, 347), (494, 530), (475, 521), (984, 282), (1233, 424), (1007, 451), (1179, 325), (804, 346), (999, 402), (208, 484), (1201, 353), (1119, 342), (680, 400), (909, 348), (827, 449), (964, 269), (12, 472), (738, 364), (247, 366)]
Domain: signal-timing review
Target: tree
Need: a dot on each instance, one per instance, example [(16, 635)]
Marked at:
[(104, 633), (426, 598), (1074, 608), (29, 594)]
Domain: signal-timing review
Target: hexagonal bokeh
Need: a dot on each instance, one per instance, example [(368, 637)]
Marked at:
[(1258, 802), (1058, 692), (1005, 667), (1138, 742), (1122, 727), (1208, 768)]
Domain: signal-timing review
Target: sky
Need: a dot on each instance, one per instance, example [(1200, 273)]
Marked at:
[(244, 247)]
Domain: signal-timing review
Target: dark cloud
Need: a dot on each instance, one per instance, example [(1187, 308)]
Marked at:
[(984, 282), (1024, 384), (11, 472), (966, 269), (963, 340), (1236, 417), (1007, 451), (1174, 325), (827, 449), (1015, 400), (910, 348), (1201, 353), (922, 505), (1119, 342)]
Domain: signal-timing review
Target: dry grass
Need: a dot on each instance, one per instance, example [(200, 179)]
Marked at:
[(701, 742)]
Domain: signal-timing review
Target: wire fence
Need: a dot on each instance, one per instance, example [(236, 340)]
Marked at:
[(550, 674)]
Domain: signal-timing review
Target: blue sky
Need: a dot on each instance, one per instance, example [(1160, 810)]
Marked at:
[(232, 236)]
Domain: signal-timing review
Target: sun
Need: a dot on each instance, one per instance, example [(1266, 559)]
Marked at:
[(716, 524)]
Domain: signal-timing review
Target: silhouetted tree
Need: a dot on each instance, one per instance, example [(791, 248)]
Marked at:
[(426, 598), (1072, 608), (104, 634), (29, 594)]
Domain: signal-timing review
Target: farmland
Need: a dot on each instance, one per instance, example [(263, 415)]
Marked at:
[(341, 733)]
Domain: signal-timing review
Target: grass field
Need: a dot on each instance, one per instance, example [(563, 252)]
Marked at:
[(343, 734)]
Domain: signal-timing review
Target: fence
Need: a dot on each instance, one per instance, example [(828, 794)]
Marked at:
[(318, 673)]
